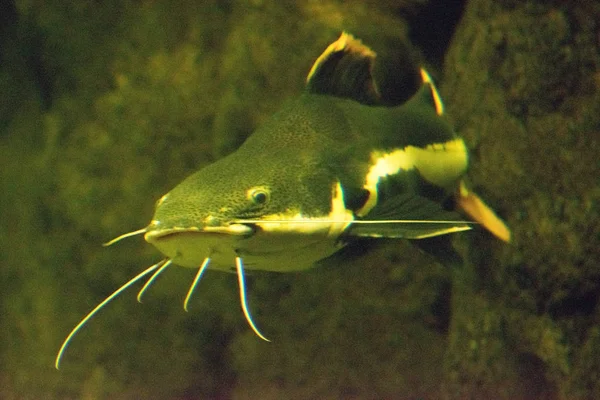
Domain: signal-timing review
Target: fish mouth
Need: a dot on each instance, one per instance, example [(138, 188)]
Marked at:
[(234, 229), (188, 246)]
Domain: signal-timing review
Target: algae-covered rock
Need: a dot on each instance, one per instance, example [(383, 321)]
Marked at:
[(521, 86)]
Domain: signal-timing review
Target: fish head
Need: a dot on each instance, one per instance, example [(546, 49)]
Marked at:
[(268, 212)]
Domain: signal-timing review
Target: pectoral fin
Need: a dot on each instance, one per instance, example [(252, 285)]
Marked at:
[(408, 216), (474, 207)]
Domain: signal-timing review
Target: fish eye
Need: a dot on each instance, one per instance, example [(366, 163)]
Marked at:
[(258, 195)]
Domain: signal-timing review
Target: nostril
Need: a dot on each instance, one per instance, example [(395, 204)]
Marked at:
[(211, 221)]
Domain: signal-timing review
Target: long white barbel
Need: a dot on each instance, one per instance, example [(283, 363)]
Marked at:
[(152, 279), (125, 235), (333, 221), (240, 272), (195, 283), (101, 305)]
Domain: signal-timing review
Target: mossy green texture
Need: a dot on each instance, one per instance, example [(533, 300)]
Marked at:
[(521, 85), (143, 94)]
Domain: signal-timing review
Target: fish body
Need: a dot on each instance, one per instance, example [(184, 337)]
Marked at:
[(306, 182), (310, 165), (333, 166)]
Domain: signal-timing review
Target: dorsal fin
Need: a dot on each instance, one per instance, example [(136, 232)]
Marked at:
[(434, 96), (427, 97), (345, 70)]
